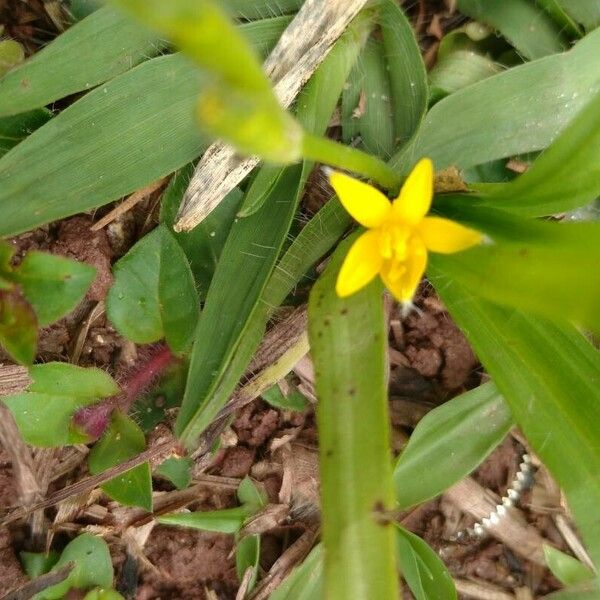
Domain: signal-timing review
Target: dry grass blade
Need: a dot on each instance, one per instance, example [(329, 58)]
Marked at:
[(481, 591), (300, 50), (31, 588)]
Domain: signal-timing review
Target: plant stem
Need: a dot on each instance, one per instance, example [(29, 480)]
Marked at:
[(327, 151)]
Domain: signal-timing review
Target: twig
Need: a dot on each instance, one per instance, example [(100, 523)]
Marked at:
[(31, 588), (127, 204), (480, 591), (300, 50)]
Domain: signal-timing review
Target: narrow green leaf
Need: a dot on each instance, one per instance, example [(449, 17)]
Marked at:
[(292, 401), (249, 494), (226, 520), (528, 28), (203, 244), (531, 104), (247, 554), (177, 471), (112, 44), (354, 453), (122, 440), (18, 326), (154, 294), (262, 185), (261, 9), (561, 17), (565, 176), (53, 285), (408, 78), (305, 582), (103, 594), (37, 563), (422, 568), (565, 568), (118, 138), (16, 128), (449, 443), (586, 12), (93, 567), (548, 375), (258, 239)]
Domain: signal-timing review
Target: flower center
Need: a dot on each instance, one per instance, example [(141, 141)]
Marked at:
[(395, 246)]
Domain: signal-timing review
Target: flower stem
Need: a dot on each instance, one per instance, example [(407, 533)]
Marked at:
[(327, 151)]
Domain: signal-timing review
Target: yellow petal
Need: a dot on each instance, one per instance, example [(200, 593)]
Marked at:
[(361, 264), (404, 287), (415, 196), (445, 236), (365, 204)]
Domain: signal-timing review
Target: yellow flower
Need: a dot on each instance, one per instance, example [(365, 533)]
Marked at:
[(399, 234)]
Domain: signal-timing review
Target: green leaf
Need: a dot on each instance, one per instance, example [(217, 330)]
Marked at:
[(43, 412), (37, 563), (261, 9), (531, 104), (565, 568), (122, 440), (294, 400), (203, 244), (354, 453), (305, 581), (561, 17), (565, 176), (54, 285), (231, 300), (93, 567), (449, 443), (261, 186), (544, 260), (421, 567), (177, 471), (154, 294), (247, 554), (250, 495), (11, 54), (548, 376), (103, 594), (586, 12), (527, 27), (408, 78), (586, 591), (226, 520), (14, 129), (111, 44), (18, 326), (119, 137)]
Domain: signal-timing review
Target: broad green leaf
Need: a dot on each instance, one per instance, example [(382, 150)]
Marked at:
[(203, 244), (565, 176), (544, 260), (261, 9), (111, 44), (548, 375), (11, 55), (422, 568), (565, 568), (93, 567), (37, 563), (103, 594), (16, 128), (354, 452), (531, 104), (247, 554), (527, 27), (561, 17), (408, 78), (177, 471), (43, 412), (226, 520), (154, 294), (449, 443), (18, 326), (239, 104), (294, 400), (122, 440), (250, 495), (118, 138), (80, 9), (53, 285), (305, 582), (231, 300), (261, 186)]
